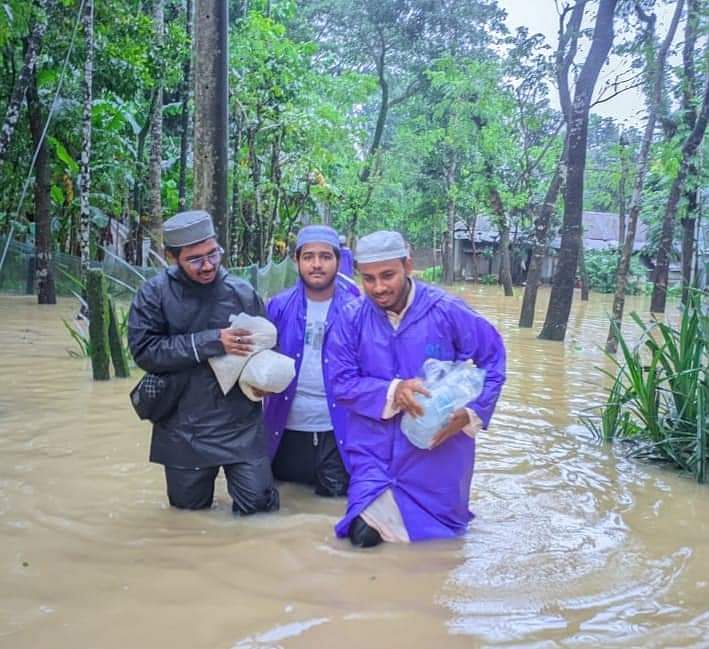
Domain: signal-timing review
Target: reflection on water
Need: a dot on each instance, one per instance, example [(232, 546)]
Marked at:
[(572, 545)]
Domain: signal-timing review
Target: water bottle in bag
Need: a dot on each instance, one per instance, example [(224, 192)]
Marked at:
[(452, 385)]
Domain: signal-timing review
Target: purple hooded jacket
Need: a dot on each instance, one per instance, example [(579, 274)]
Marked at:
[(431, 487), (346, 261), (287, 311)]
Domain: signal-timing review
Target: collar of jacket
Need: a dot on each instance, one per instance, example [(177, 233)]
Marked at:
[(332, 312), (425, 298)]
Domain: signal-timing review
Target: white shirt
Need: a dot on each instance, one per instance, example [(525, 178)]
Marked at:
[(309, 410)]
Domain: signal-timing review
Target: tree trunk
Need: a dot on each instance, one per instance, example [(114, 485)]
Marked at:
[(14, 107), (689, 223), (85, 178), (236, 215), (137, 199), (366, 172), (185, 117), (46, 293), (541, 234), (623, 144), (155, 175), (258, 234), (689, 148), (564, 279), (505, 265), (504, 229), (657, 74), (97, 298), (476, 276), (211, 127), (585, 288), (689, 91), (449, 241)]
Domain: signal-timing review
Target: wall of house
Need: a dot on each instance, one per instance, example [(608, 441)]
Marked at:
[(423, 258)]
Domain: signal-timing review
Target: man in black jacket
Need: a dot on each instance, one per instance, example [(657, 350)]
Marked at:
[(177, 321)]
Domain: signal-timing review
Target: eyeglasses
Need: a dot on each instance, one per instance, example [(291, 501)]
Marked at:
[(213, 258)]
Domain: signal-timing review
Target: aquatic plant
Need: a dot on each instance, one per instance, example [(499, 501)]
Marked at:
[(658, 397)]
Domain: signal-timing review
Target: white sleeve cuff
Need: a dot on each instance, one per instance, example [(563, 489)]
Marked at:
[(475, 424), (389, 409)]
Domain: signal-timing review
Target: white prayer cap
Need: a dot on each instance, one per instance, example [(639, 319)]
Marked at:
[(381, 246), (188, 228)]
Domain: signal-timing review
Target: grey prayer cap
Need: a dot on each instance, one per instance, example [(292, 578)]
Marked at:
[(186, 228), (381, 246)]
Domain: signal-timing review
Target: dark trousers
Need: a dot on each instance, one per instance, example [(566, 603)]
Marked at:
[(311, 459), (250, 484)]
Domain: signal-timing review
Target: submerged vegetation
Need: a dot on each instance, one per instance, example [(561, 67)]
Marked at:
[(659, 394)]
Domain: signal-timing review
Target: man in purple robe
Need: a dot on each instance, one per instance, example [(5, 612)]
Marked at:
[(346, 259), (305, 428), (398, 492)]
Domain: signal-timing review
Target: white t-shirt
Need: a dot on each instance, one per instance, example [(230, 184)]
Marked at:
[(309, 409)]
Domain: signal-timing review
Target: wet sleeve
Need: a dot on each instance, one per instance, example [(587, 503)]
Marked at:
[(153, 349), (365, 395), (477, 339)]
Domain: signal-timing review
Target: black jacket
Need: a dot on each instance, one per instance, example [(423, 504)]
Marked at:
[(174, 326)]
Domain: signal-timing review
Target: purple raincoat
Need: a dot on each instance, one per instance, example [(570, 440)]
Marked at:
[(431, 487), (346, 262), (287, 311)]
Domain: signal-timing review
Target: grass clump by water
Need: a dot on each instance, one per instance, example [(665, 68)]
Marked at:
[(659, 395)]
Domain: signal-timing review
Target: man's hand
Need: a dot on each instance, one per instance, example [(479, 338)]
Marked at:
[(236, 341), (405, 396), (457, 421)]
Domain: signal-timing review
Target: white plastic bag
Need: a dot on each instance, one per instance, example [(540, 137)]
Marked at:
[(228, 368), (452, 385), (268, 371)]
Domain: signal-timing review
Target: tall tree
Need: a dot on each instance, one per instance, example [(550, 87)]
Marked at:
[(155, 173), (46, 293), (14, 106), (85, 177), (689, 113), (622, 179), (689, 148), (211, 132), (185, 115), (655, 76), (564, 58), (398, 41), (577, 131)]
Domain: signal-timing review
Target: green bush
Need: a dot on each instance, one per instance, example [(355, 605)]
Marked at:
[(659, 397), (490, 280), (432, 274), (601, 266)]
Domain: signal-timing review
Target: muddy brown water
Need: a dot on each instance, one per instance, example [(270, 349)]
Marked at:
[(573, 545)]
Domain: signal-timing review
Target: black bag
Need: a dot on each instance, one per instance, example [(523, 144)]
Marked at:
[(156, 395)]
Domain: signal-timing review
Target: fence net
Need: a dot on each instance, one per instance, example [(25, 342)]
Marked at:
[(17, 274)]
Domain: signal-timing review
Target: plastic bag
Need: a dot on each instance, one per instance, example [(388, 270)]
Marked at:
[(228, 368), (452, 385), (268, 371)]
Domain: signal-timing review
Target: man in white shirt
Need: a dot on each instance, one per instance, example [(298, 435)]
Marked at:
[(305, 428)]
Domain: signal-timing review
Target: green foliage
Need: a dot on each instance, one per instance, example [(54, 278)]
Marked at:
[(80, 335), (659, 393), (489, 279), (432, 274), (601, 267)]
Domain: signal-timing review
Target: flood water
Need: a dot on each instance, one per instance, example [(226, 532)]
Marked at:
[(572, 545)]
